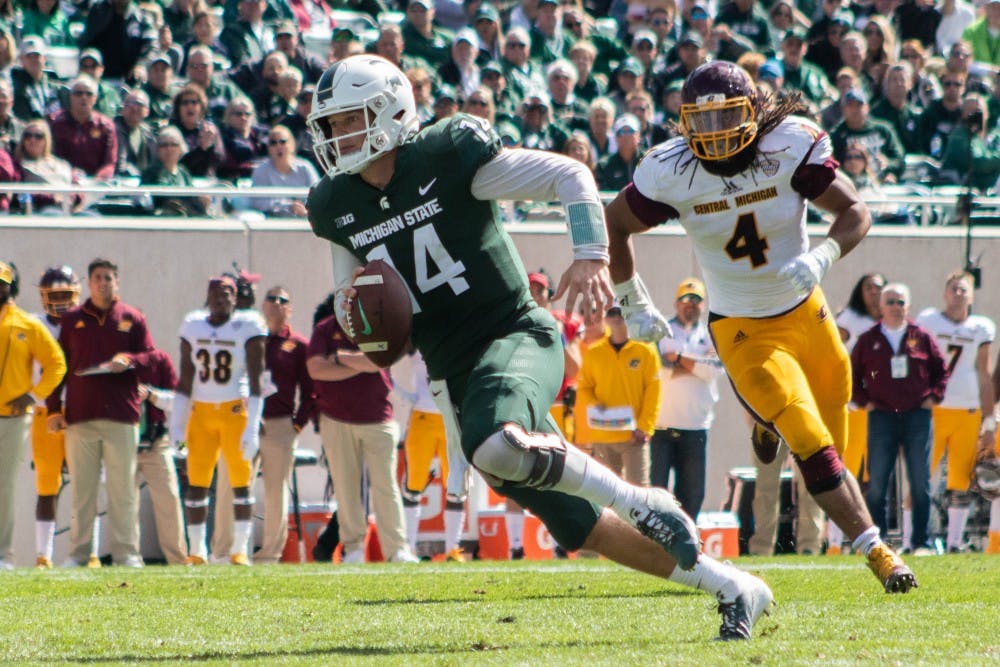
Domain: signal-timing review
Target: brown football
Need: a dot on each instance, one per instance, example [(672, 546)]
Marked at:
[(381, 314)]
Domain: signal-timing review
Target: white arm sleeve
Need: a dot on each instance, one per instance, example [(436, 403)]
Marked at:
[(344, 264)]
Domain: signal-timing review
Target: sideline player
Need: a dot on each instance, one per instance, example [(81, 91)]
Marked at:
[(218, 407), (964, 425), (426, 203), (738, 180)]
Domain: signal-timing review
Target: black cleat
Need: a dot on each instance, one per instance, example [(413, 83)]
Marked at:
[(664, 522), (765, 443)]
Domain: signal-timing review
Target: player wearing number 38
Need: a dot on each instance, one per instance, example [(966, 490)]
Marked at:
[(426, 204), (738, 180)]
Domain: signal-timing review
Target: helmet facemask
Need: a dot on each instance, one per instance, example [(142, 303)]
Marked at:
[(59, 297), (718, 128)]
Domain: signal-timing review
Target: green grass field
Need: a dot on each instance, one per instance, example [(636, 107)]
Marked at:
[(830, 611)]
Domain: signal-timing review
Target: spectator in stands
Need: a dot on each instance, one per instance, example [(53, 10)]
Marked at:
[(167, 46), (37, 164), (420, 81), (971, 153), (645, 50), (206, 33), (599, 122), (259, 79), (579, 148), (853, 54), (690, 52), (46, 19), (136, 137), (284, 169), (422, 38), (180, 16), (877, 135), (493, 78), (880, 51), (356, 426), (10, 126), (486, 22), (286, 40), (607, 50), (960, 57), (390, 46), (36, 95), (829, 11), (538, 130), (244, 141), (802, 75), (640, 105), (204, 144), (121, 32), (981, 35), (847, 79), (900, 374), (619, 390), (925, 87), (782, 19), (445, 104), (345, 43), (915, 19), (566, 107), (480, 103), (588, 85), (956, 16), (615, 171), (219, 90), (461, 70), (547, 39), (521, 73), (168, 170), (108, 100), (83, 137), (160, 89), (248, 38), (719, 42), (689, 390), (940, 117), (271, 100), (859, 165), (296, 123), (895, 108), (825, 51), (628, 78), (670, 115), (744, 18)]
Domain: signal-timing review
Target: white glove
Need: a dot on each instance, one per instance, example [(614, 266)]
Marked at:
[(179, 413), (644, 321), (250, 440), (807, 270)]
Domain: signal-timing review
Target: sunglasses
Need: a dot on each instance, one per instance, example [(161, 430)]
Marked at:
[(274, 298), (895, 302), (277, 142), (32, 135), (535, 107), (238, 112), (690, 298)]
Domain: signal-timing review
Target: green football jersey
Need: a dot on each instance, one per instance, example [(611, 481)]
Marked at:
[(466, 279)]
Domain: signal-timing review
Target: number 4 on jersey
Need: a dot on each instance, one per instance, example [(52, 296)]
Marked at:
[(747, 242)]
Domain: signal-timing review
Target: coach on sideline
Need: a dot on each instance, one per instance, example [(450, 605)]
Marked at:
[(23, 340)]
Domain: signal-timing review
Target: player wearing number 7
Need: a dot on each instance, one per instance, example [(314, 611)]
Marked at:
[(426, 203), (738, 180), (217, 408)]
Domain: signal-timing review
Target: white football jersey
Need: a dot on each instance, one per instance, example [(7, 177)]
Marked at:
[(743, 228), (959, 343), (854, 324), (409, 379), (219, 354)]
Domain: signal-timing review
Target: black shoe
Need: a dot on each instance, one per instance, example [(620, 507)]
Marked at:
[(326, 543), (765, 443), (663, 521), (560, 553), (517, 554)]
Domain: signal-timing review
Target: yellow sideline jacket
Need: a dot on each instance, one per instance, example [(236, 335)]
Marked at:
[(616, 378), (24, 340)]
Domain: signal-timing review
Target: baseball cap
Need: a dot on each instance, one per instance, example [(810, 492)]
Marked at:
[(286, 28), (344, 35), (797, 33), (487, 12), (562, 68), (93, 54), (691, 38), (856, 95), (31, 45), (691, 287), (466, 35), (644, 35), (548, 2), (771, 70), (627, 122), (161, 58), (6, 273), (446, 92), (508, 133), (491, 66), (428, 4), (538, 278), (222, 281), (699, 11), (632, 66), (675, 86)]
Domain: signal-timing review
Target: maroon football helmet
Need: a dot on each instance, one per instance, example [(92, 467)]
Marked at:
[(718, 110)]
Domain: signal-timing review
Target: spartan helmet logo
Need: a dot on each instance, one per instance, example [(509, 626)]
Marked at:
[(384, 203)]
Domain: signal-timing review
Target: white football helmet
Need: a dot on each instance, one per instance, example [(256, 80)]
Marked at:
[(363, 82)]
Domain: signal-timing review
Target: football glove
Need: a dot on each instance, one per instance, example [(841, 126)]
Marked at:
[(644, 321), (250, 440), (181, 409), (807, 270)]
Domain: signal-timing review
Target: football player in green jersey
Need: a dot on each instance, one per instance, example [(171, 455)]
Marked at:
[(426, 203)]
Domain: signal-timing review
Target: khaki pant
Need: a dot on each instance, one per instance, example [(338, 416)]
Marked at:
[(88, 445), (349, 449), (13, 445), (627, 460), (222, 527), (156, 466), (766, 506), (277, 457)]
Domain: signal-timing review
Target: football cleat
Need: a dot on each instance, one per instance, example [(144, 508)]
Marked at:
[(664, 522), (239, 559), (404, 555), (192, 561), (891, 570), (94, 563), (356, 557), (456, 555), (740, 615), (43, 563), (517, 553), (765, 443)]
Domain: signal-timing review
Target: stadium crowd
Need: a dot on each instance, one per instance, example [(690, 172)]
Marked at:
[(167, 92)]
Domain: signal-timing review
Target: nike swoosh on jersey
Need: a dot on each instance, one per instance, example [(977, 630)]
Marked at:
[(422, 190), (364, 320)]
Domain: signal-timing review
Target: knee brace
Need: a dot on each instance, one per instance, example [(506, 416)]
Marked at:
[(822, 471), (514, 457), (453, 502)]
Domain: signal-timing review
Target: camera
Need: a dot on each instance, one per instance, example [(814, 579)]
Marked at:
[(975, 121)]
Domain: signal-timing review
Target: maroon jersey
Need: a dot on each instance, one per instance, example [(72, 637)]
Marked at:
[(285, 357)]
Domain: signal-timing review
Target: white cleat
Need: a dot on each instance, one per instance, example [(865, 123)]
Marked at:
[(740, 615)]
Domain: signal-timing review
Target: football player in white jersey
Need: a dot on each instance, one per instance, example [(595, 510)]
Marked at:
[(222, 358), (738, 180), (964, 425)]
